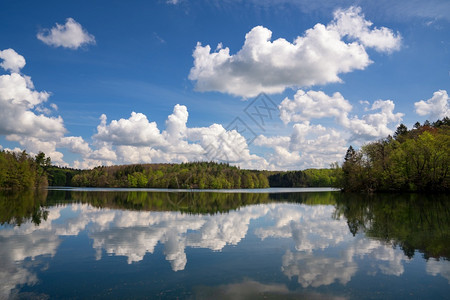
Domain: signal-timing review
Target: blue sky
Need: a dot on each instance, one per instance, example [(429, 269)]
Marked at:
[(114, 82)]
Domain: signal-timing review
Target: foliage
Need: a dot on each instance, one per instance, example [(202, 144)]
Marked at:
[(306, 178), (412, 160), (19, 171), (195, 175), (61, 176)]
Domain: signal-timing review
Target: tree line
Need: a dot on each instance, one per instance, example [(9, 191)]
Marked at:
[(415, 160), (199, 175), (194, 175), (305, 178), (22, 171)]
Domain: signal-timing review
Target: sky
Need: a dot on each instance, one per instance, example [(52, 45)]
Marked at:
[(268, 84)]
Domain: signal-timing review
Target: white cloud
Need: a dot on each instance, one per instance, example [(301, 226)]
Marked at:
[(176, 123), (318, 105), (135, 131), (12, 61), (308, 146), (437, 107), (220, 144), (134, 155), (317, 57), (70, 35), (17, 99), (313, 105), (374, 125), (19, 90), (351, 23), (88, 163), (313, 146), (34, 145), (75, 144)]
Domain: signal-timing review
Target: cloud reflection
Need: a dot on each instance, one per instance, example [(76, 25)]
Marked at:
[(435, 267), (133, 234)]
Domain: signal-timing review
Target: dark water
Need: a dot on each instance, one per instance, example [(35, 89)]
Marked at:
[(297, 245)]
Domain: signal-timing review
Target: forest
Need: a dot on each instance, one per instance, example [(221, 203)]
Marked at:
[(199, 175), (415, 160), (21, 171)]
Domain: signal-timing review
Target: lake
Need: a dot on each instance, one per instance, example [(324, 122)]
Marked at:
[(274, 243)]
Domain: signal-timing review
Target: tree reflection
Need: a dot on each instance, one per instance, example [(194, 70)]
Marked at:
[(411, 221), (186, 202), (17, 208)]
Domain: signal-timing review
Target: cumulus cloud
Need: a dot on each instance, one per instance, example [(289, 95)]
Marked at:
[(351, 23), (176, 123), (75, 144), (18, 98), (70, 35), (308, 146), (104, 153), (23, 116), (317, 105), (317, 57), (437, 107), (374, 125), (313, 105), (137, 140), (12, 61), (135, 131)]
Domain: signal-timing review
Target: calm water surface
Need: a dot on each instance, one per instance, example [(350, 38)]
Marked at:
[(286, 244)]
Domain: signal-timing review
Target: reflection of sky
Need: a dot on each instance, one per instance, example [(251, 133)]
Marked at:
[(135, 233), (248, 288)]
